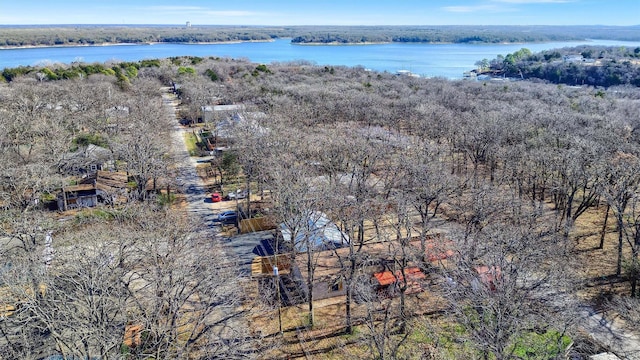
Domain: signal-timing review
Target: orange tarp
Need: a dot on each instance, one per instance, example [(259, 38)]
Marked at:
[(132, 335), (436, 247), (387, 277), (437, 255)]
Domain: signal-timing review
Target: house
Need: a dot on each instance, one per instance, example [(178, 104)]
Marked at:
[(225, 120), (87, 159), (328, 281), (112, 181), (377, 261), (573, 58), (211, 113), (377, 264), (436, 247), (78, 196), (99, 187)]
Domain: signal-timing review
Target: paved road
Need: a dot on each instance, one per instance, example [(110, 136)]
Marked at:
[(242, 248), (199, 205), (611, 334), (188, 180)]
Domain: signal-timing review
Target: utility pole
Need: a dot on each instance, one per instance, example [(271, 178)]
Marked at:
[(48, 250), (276, 278)]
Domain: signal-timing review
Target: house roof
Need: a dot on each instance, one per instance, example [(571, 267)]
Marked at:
[(436, 247), (249, 120), (234, 107), (328, 262), (96, 151), (107, 181), (318, 232), (79, 187), (86, 155), (100, 180)]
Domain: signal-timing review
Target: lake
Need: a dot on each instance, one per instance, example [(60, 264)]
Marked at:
[(444, 60)]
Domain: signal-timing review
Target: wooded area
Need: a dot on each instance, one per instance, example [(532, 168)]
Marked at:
[(101, 34), (582, 65), (520, 185)]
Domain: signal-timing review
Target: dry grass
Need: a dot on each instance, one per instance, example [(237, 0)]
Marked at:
[(327, 340), (598, 266)]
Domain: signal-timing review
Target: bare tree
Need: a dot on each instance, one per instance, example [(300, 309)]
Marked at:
[(187, 304), (33, 141), (629, 230), (620, 186), (421, 178), (354, 202), (297, 207), (499, 290), (150, 270), (143, 145)]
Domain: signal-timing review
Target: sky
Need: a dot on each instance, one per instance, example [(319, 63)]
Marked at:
[(322, 12)]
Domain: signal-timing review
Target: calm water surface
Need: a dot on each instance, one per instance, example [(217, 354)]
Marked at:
[(446, 60)]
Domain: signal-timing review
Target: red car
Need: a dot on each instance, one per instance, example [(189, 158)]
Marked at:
[(215, 197)]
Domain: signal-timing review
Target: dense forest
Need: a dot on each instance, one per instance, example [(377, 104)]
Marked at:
[(582, 65), (462, 34), (94, 35), (535, 183)]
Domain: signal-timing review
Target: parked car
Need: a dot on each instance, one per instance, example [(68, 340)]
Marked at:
[(238, 194), (228, 217), (215, 197)]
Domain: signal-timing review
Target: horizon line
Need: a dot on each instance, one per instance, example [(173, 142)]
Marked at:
[(317, 25)]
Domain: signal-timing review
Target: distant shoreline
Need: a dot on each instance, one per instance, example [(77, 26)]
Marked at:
[(129, 44), (337, 43), (334, 43)]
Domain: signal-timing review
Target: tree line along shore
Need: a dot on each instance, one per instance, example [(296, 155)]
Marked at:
[(59, 35), (601, 66)]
